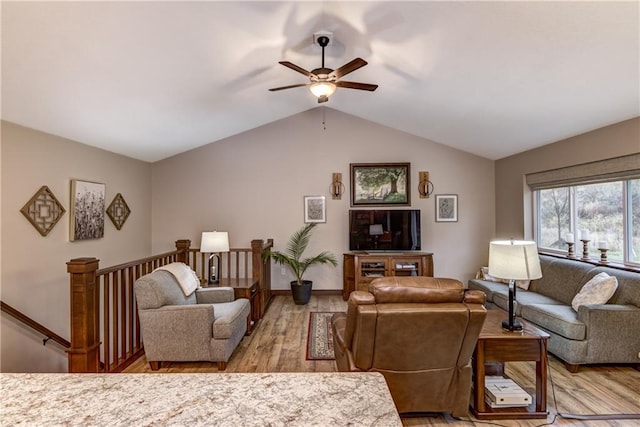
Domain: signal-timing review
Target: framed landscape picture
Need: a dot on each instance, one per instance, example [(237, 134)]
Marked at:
[(380, 184), (315, 209), (87, 210), (446, 208)]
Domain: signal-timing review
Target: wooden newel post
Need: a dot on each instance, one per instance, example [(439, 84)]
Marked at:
[(84, 353), (261, 270), (183, 246)]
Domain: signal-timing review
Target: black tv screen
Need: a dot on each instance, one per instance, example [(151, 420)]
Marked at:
[(384, 230)]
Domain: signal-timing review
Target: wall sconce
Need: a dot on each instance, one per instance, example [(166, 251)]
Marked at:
[(214, 242), (425, 187), (337, 187)]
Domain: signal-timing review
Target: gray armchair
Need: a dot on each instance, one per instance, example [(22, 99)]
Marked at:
[(204, 326)]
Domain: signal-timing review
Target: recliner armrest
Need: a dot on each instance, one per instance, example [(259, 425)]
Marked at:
[(215, 295)]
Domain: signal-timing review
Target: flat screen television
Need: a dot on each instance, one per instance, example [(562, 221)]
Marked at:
[(384, 230)]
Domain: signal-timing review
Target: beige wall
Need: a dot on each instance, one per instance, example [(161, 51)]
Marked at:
[(513, 199), (252, 185), (34, 278)]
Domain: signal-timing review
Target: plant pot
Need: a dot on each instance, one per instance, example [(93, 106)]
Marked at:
[(301, 293)]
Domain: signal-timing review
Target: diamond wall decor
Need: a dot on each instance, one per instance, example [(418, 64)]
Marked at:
[(43, 210), (118, 211)]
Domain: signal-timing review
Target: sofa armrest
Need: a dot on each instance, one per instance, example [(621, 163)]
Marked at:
[(214, 295), (612, 329)]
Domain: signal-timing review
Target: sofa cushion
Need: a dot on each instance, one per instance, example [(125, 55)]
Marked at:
[(628, 292), (560, 319), (561, 278), (229, 317), (523, 298), (597, 290)]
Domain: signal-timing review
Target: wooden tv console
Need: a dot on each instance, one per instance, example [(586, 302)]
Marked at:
[(360, 268)]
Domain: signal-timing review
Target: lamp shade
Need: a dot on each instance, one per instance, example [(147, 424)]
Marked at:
[(214, 241), (376, 230), (514, 260)]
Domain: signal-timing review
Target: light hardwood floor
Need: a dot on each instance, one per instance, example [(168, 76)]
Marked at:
[(278, 344)]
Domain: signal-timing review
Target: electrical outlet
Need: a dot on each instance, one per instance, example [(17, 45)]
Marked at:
[(283, 271)]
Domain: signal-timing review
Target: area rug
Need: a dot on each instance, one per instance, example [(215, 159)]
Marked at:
[(319, 337)]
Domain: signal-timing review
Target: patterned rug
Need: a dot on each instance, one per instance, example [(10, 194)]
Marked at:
[(319, 338)]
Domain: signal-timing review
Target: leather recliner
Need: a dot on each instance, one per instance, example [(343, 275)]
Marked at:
[(420, 333)]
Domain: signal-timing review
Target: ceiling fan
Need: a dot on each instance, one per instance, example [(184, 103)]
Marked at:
[(324, 81)]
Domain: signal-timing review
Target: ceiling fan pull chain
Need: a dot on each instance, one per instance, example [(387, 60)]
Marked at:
[(324, 124)]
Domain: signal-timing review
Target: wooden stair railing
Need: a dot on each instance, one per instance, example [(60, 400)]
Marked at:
[(240, 263), (105, 330), (49, 334)]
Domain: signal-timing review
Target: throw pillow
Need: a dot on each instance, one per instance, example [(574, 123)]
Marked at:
[(484, 275), (598, 290)]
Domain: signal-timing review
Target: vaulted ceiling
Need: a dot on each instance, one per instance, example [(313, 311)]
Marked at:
[(153, 79)]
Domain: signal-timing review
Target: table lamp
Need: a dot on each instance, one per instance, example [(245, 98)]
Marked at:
[(214, 242), (514, 260), (376, 231)]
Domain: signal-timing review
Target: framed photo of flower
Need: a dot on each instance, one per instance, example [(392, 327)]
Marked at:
[(446, 208), (315, 209), (87, 210)]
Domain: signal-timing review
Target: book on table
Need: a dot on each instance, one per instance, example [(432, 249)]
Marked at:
[(505, 393)]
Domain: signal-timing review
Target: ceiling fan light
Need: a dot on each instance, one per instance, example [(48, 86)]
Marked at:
[(322, 89)]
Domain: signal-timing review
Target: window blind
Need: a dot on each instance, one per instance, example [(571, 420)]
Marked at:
[(614, 169)]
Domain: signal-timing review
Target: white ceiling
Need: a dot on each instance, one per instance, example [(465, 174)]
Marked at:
[(153, 79)]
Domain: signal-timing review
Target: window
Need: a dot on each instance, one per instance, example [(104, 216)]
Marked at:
[(608, 211)]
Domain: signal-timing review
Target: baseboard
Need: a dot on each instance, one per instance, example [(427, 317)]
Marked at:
[(318, 292)]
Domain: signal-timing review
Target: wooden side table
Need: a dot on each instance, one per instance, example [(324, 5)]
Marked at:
[(497, 345), (246, 288)]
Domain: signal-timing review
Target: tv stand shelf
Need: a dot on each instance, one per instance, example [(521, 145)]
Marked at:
[(360, 268)]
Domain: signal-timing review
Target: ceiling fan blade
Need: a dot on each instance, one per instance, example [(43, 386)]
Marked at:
[(294, 67), (355, 85), (289, 87), (348, 67)]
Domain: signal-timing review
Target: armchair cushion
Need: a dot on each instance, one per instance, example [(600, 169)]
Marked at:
[(158, 289), (185, 276)]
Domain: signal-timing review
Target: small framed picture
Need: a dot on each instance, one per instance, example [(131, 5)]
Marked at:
[(87, 210), (315, 209), (446, 208)]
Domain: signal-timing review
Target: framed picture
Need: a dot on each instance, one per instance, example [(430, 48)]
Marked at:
[(446, 208), (87, 210), (315, 209), (380, 184)]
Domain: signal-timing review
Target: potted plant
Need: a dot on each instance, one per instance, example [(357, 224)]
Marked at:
[(300, 288)]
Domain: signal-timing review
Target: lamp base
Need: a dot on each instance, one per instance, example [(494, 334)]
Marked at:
[(213, 278), (514, 327)]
